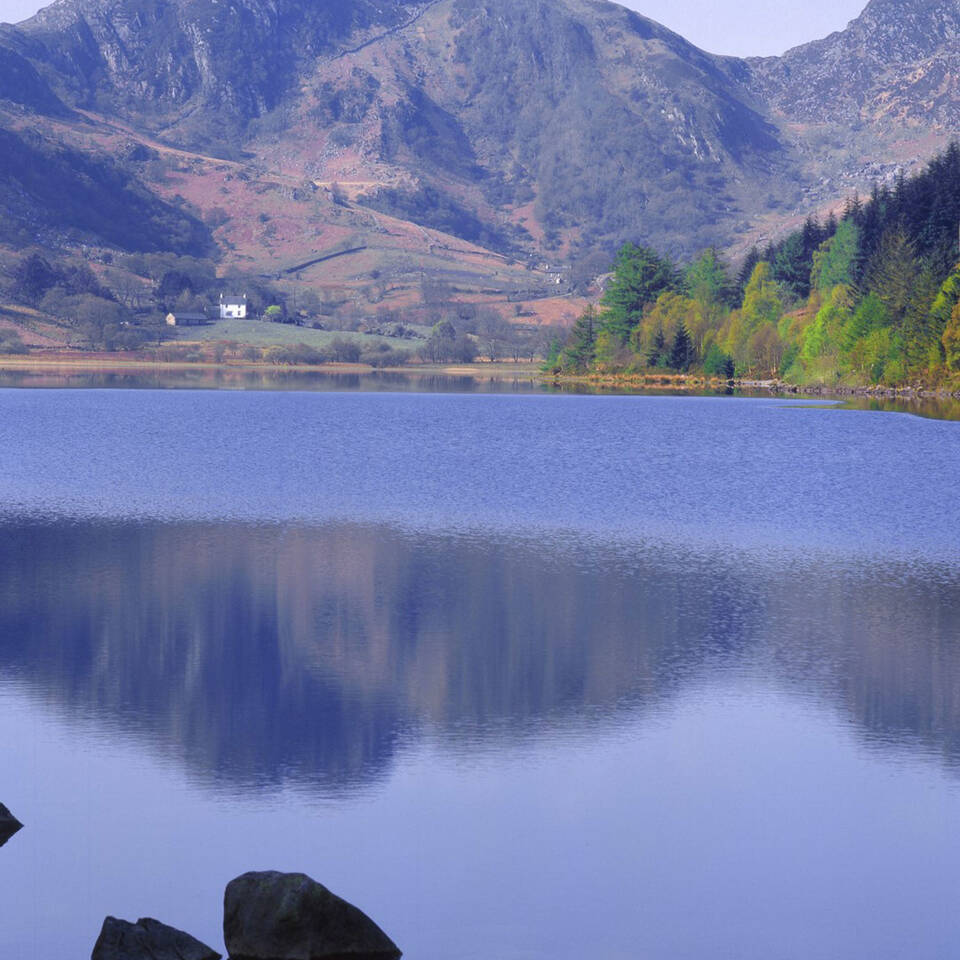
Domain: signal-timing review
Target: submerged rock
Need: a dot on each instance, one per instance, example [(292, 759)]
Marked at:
[(148, 940), (9, 825), (288, 916)]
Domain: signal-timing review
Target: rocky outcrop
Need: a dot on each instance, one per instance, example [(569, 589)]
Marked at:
[(897, 61), (9, 825), (148, 940), (289, 916)]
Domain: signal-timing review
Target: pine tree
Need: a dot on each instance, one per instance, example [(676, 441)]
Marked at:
[(655, 356), (892, 274), (640, 275), (746, 271), (836, 261), (791, 265), (681, 351), (707, 281), (579, 352), (920, 335)]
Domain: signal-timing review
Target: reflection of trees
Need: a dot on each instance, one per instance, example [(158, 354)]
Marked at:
[(266, 653), (264, 377)]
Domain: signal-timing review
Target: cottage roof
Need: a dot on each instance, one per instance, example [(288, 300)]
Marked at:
[(233, 298), (189, 316)]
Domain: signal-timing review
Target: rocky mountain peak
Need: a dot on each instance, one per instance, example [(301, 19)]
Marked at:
[(854, 70)]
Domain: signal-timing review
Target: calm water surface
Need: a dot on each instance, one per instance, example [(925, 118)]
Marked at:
[(523, 676)]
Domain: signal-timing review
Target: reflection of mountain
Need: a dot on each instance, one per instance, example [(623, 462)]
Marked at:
[(265, 653)]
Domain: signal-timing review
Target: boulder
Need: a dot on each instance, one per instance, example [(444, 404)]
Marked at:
[(148, 940), (9, 825), (288, 916)]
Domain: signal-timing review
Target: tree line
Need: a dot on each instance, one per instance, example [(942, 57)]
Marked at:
[(872, 296)]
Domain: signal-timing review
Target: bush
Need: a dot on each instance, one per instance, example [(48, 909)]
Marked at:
[(384, 356), (344, 351), (717, 363), (296, 354)]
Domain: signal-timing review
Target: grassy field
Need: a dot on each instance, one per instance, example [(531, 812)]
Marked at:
[(260, 333)]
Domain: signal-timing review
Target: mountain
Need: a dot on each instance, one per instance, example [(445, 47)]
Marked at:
[(896, 62), (478, 143)]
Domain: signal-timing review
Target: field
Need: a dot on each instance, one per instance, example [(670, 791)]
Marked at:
[(260, 333)]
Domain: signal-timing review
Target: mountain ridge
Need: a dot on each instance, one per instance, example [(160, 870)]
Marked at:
[(532, 130)]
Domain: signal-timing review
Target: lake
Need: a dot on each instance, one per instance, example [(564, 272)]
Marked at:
[(521, 675)]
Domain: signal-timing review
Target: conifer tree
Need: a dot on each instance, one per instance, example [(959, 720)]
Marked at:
[(892, 274), (707, 281), (920, 335), (746, 271), (835, 261), (681, 350), (640, 275), (655, 356), (579, 352), (791, 265)]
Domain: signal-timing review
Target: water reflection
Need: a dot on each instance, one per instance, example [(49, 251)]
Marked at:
[(261, 655), (200, 377), (479, 379)]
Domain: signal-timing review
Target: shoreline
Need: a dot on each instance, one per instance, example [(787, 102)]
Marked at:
[(108, 363), (490, 371), (680, 383)]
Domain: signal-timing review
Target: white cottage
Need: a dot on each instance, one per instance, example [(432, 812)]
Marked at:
[(233, 307)]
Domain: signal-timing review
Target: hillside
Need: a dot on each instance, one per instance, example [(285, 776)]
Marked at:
[(500, 149)]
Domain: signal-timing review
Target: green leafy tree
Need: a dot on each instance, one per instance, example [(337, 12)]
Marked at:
[(951, 340), (766, 349), (716, 363), (762, 304), (823, 337), (749, 264), (609, 351), (661, 320), (552, 361)]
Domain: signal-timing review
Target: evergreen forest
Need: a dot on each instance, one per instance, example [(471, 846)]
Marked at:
[(870, 297)]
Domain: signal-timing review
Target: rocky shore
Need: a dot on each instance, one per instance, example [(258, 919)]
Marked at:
[(266, 916), (683, 383), (911, 392)]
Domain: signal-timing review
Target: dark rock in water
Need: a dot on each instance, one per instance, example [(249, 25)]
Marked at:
[(9, 825), (148, 940), (288, 916)]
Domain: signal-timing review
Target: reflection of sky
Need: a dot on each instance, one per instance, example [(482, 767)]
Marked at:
[(739, 821)]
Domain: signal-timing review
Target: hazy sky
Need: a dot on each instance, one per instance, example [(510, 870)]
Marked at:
[(742, 27)]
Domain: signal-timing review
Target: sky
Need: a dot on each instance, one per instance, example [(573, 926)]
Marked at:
[(739, 27)]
